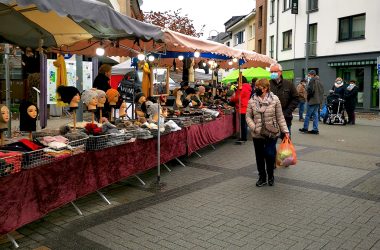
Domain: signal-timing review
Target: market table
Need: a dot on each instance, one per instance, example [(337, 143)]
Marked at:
[(30, 194), (202, 135)]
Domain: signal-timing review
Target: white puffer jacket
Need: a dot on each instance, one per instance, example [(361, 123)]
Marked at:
[(270, 109)]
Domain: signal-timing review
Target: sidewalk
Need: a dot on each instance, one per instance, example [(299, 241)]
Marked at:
[(329, 200)]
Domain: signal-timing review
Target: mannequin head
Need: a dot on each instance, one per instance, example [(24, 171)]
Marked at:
[(4, 117), (122, 109), (90, 98), (102, 98), (28, 116), (140, 98), (69, 95), (112, 96)]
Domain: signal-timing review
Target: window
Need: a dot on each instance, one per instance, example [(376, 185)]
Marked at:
[(239, 37), (259, 46), (272, 10), (287, 5), (313, 5), (260, 22), (250, 34), (287, 40), (271, 46), (352, 27), (313, 39)]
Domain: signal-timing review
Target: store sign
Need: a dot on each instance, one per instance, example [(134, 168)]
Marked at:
[(378, 65), (294, 6)]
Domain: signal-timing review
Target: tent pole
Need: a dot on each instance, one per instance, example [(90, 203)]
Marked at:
[(8, 87)]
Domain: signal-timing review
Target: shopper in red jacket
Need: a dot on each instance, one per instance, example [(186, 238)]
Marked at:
[(242, 108)]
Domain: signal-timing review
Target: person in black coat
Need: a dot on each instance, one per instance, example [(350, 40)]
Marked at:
[(339, 87), (351, 98), (102, 80)]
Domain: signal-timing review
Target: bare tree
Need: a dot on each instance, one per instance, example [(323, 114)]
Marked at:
[(173, 20)]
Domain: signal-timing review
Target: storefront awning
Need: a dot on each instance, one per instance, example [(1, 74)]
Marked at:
[(352, 63)]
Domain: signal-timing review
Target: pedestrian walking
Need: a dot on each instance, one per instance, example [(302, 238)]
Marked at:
[(314, 100), (285, 91), (351, 98), (244, 95), (266, 122), (301, 89)]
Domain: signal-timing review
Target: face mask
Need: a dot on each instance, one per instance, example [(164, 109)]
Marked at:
[(309, 78), (273, 75), (258, 92)]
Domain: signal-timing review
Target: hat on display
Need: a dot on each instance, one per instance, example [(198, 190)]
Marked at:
[(67, 93)]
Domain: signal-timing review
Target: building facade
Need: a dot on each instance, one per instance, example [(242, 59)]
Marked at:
[(261, 27), (343, 41)]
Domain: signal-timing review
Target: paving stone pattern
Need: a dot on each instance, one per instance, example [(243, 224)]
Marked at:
[(329, 200)]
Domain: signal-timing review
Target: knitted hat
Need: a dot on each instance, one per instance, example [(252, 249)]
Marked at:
[(67, 93)]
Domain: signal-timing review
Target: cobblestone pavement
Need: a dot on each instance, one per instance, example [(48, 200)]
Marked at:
[(330, 200)]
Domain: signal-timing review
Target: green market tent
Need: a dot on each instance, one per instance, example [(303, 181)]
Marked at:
[(255, 73), (248, 73)]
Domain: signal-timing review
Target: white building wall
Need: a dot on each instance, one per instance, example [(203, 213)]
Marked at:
[(327, 18)]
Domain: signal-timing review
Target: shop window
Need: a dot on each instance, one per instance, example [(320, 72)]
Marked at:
[(287, 40), (374, 90), (352, 27), (357, 74)]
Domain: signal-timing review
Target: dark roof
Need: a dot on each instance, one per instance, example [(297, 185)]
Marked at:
[(220, 38), (232, 21)]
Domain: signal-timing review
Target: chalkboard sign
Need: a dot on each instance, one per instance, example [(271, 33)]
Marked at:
[(127, 87)]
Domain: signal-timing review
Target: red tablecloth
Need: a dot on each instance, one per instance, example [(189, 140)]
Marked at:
[(202, 135), (30, 194)]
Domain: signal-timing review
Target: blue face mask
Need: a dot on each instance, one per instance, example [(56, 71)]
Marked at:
[(273, 75)]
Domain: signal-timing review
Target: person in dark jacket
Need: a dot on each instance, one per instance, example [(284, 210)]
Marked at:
[(102, 80), (285, 91), (339, 87), (315, 93), (243, 95), (351, 98)]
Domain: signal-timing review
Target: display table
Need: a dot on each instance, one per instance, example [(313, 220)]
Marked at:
[(202, 135), (30, 194)]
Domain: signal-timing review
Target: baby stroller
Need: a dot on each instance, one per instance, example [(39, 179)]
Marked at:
[(335, 110)]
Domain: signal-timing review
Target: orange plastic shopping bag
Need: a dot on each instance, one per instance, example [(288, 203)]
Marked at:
[(286, 153)]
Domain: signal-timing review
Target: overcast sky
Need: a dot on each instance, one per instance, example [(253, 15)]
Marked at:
[(212, 13)]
